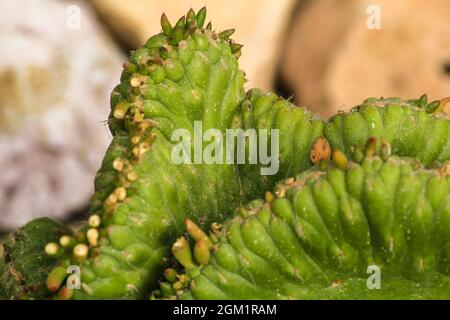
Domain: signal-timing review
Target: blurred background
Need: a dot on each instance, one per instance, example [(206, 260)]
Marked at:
[(59, 61)]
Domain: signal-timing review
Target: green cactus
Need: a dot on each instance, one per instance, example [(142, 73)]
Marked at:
[(185, 74), (298, 129), (26, 263), (404, 124), (315, 237), (413, 128)]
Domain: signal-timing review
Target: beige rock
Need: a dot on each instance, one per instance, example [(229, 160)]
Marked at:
[(333, 61), (260, 26), (55, 84)]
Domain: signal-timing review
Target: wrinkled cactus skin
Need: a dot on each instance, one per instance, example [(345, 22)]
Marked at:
[(319, 233), (412, 127), (178, 81), (298, 130)]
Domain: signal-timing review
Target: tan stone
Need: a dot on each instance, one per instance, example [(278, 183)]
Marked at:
[(334, 61), (259, 25), (55, 84)]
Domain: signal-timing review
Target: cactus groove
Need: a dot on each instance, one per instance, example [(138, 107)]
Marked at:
[(317, 234)]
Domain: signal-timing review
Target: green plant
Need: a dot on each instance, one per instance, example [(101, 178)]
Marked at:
[(26, 266), (185, 74), (414, 128), (316, 236)]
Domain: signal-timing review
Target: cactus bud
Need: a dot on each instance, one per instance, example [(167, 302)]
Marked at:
[(268, 197), (92, 235), (190, 18), (120, 110), (166, 26), (170, 274), (182, 252), (52, 249), (196, 233), (65, 293), (225, 35), (200, 18), (177, 285), (340, 159), (371, 145), (201, 252), (80, 252), (67, 241), (56, 278), (94, 221), (433, 107)]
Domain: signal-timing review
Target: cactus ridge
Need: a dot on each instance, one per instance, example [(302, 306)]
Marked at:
[(185, 74), (413, 128), (317, 234)]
